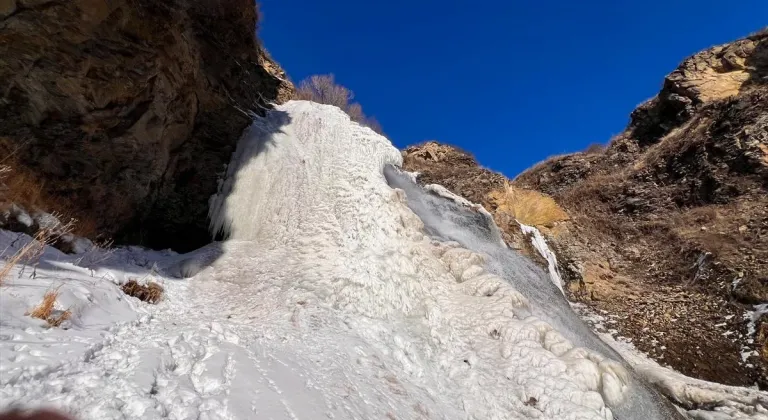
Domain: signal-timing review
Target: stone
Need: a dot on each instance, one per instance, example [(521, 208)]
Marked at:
[(7, 8)]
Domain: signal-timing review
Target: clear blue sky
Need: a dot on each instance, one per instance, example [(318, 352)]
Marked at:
[(511, 81)]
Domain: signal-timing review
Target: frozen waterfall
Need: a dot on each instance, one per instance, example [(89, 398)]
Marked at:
[(423, 310)]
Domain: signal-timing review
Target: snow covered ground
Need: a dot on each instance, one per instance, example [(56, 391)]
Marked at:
[(329, 301)]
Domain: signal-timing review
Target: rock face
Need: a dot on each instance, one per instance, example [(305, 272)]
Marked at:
[(126, 112), (668, 226), (454, 169)]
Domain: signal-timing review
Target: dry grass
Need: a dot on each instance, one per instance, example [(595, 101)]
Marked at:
[(527, 206), (674, 143), (24, 253), (30, 253), (323, 89), (45, 310), (759, 34), (150, 293), (101, 251), (595, 149)]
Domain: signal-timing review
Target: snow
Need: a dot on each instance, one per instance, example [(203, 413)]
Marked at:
[(331, 299), (753, 316), (540, 244)]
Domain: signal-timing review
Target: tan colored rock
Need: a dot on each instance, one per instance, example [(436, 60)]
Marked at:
[(714, 74)]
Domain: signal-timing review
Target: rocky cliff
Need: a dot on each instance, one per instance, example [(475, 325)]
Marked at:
[(667, 230), (124, 113)]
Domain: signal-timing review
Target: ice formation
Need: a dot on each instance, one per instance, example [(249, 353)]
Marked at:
[(308, 199), (538, 242)]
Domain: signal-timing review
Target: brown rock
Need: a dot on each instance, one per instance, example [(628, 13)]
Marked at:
[(452, 168), (459, 172), (7, 7), (128, 111), (34, 415), (712, 75), (751, 290)]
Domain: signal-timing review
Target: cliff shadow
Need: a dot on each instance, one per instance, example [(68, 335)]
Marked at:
[(258, 138), (133, 260)]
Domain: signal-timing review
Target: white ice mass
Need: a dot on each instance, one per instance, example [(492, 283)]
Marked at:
[(344, 291)]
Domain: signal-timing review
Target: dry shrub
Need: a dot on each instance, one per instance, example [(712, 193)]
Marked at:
[(150, 293), (45, 310), (759, 34), (30, 253), (674, 143), (594, 149), (323, 89), (527, 206)]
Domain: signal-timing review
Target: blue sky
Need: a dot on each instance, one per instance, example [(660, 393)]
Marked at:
[(513, 82)]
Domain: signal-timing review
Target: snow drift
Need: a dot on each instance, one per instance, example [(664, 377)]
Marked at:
[(337, 296)]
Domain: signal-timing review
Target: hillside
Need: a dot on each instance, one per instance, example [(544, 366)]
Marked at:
[(667, 230)]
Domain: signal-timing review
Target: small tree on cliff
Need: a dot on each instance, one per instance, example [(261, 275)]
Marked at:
[(323, 89)]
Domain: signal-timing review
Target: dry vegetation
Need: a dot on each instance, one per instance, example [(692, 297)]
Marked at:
[(323, 89), (45, 310), (527, 206), (30, 253), (32, 250), (150, 292), (594, 149)]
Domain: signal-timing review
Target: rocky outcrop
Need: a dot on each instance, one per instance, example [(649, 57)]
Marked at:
[(126, 112), (452, 168), (667, 228), (716, 74)]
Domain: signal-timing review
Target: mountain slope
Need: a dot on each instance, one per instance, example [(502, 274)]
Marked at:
[(667, 227), (678, 204)]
